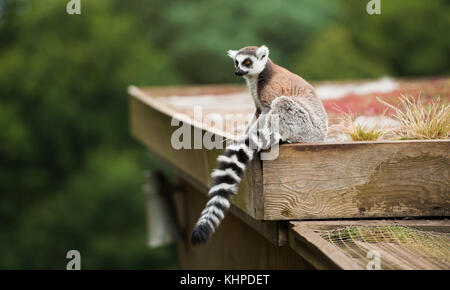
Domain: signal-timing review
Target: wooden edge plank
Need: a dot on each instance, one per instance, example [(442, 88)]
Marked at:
[(169, 111), (361, 180), (194, 90), (317, 251), (439, 225), (347, 143)]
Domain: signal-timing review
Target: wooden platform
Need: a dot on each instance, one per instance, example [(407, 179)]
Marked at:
[(307, 181), (321, 181)]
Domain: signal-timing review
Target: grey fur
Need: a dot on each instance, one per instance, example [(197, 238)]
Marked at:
[(296, 124)]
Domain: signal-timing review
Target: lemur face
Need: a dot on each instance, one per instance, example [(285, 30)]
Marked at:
[(249, 61)]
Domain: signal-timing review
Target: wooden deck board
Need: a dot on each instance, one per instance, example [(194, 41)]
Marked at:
[(358, 180)]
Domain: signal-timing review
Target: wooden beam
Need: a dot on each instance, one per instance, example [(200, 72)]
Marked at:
[(440, 225), (358, 180)]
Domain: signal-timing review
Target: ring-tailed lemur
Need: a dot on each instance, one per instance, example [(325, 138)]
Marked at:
[(275, 91)]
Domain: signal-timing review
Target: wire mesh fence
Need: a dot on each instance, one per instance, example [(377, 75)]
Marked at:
[(398, 247)]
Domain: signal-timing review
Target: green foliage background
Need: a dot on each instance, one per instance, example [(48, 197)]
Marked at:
[(71, 176)]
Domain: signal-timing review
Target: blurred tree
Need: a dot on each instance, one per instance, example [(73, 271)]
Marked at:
[(63, 95), (409, 35), (332, 55), (407, 39), (100, 212), (197, 34)]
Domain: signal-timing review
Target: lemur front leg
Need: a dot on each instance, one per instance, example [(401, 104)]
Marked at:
[(259, 130), (252, 121), (263, 132)]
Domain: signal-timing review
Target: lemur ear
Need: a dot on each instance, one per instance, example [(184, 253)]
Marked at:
[(232, 53), (262, 52)]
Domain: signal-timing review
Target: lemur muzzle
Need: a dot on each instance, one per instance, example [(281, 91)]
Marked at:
[(240, 72)]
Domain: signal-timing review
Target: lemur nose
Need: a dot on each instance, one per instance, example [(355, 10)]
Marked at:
[(240, 72)]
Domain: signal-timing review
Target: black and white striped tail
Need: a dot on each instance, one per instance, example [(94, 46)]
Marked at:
[(226, 179)]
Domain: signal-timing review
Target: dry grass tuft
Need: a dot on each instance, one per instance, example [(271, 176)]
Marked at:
[(362, 132), (422, 121)]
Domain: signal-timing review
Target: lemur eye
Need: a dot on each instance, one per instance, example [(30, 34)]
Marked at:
[(236, 62), (247, 62)]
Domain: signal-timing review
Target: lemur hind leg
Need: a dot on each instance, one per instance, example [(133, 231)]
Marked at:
[(286, 121), (295, 122)]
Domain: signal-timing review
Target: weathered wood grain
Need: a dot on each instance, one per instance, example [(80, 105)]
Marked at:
[(358, 180)]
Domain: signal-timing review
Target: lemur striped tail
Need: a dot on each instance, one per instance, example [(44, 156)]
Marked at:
[(226, 178)]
